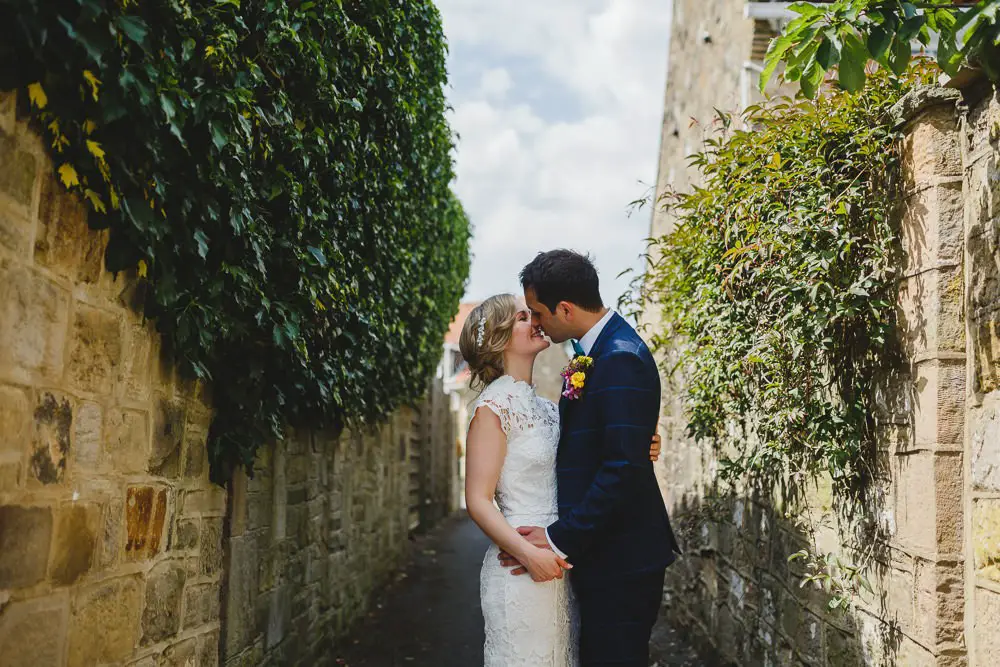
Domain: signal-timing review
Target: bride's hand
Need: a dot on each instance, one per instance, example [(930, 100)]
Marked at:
[(654, 448), (544, 565)]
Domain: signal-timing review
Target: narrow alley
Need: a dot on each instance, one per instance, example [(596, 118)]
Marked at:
[(431, 618)]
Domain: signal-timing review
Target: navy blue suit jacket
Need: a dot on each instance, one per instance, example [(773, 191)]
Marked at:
[(612, 520)]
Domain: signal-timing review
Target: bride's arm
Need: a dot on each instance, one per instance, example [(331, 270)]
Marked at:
[(486, 447)]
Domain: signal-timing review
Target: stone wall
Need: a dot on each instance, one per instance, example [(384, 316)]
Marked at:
[(114, 546), (981, 489), (323, 525), (110, 532), (936, 516)]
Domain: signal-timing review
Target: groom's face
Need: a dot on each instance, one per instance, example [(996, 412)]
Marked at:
[(554, 326)]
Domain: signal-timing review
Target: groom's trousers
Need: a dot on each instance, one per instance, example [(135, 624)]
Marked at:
[(617, 617)]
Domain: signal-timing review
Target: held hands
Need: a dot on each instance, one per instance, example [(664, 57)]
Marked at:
[(543, 564), (540, 561)]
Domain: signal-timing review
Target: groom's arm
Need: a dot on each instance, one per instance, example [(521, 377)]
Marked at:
[(625, 436)]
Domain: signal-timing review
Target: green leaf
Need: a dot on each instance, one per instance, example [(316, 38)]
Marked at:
[(853, 58), (202, 240), (878, 42), (134, 27), (318, 254), (828, 55), (899, 57)]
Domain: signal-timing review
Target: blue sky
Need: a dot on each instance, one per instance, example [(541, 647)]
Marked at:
[(558, 107)]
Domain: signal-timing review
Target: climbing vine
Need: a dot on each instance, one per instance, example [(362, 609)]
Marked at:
[(277, 174), (849, 35), (777, 286)]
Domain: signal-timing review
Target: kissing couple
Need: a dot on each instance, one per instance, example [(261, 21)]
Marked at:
[(568, 487)]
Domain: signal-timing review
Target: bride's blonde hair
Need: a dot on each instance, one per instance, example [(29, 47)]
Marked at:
[(485, 335)]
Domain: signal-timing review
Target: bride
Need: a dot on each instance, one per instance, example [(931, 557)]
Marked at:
[(511, 444)]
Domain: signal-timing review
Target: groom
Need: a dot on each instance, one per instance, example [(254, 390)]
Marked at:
[(612, 526)]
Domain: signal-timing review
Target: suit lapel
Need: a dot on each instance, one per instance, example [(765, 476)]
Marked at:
[(607, 335)]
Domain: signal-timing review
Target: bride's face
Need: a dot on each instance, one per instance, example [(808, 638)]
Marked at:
[(526, 339)]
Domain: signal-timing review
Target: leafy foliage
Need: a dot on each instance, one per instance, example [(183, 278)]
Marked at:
[(849, 34), (279, 173), (777, 287)]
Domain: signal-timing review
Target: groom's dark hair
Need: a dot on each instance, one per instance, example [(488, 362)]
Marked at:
[(563, 275)]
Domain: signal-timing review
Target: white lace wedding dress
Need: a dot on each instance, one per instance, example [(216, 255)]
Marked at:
[(527, 624)]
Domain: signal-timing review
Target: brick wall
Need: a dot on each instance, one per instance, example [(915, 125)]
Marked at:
[(110, 533)]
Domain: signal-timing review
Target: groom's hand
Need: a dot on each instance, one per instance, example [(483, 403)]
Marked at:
[(535, 536)]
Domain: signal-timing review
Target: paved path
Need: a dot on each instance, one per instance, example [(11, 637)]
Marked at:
[(431, 617)]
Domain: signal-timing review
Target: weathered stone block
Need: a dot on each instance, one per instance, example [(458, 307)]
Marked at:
[(15, 230), (134, 372), (279, 616), (104, 625), (243, 591), (63, 237), (25, 535), (201, 604), (986, 345), (127, 443), (210, 560), (939, 600), (161, 617), (986, 537), (186, 535), (915, 509), (181, 654), (15, 413), (984, 279), (208, 650), (985, 461), (8, 115), (88, 428), (986, 627), (939, 403), (930, 312), (145, 515), (32, 632), (932, 227), (18, 173), (195, 449), (95, 350), (168, 431), (209, 500), (112, 533), (931, 148), (73, 548), (33, 320), (53, 423)]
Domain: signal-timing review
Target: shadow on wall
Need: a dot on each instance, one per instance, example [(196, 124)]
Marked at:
[(743, 599)]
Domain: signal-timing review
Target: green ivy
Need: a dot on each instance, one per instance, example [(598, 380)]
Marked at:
[(278, 173), (777, 285), (848, 35)]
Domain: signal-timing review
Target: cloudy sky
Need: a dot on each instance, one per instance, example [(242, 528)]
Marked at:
[(558, 106)]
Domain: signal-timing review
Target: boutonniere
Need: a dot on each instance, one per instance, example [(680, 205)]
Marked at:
[(575, 377)]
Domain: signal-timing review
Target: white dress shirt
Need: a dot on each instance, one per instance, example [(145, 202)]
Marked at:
[(587, 344)]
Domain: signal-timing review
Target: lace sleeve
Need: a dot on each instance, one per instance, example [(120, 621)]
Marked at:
[(497, 406)]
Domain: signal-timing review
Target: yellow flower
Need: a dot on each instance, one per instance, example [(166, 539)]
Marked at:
[(577, 380)]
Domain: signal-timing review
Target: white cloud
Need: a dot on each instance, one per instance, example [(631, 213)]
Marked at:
[(495, 83), (558, 105)]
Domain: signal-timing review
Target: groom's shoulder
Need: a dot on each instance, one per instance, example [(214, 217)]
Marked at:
[(628, 341)]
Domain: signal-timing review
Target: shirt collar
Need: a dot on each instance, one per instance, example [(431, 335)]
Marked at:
[(589, 338)]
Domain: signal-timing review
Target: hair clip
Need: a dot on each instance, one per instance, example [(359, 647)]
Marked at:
[(481, 333)]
